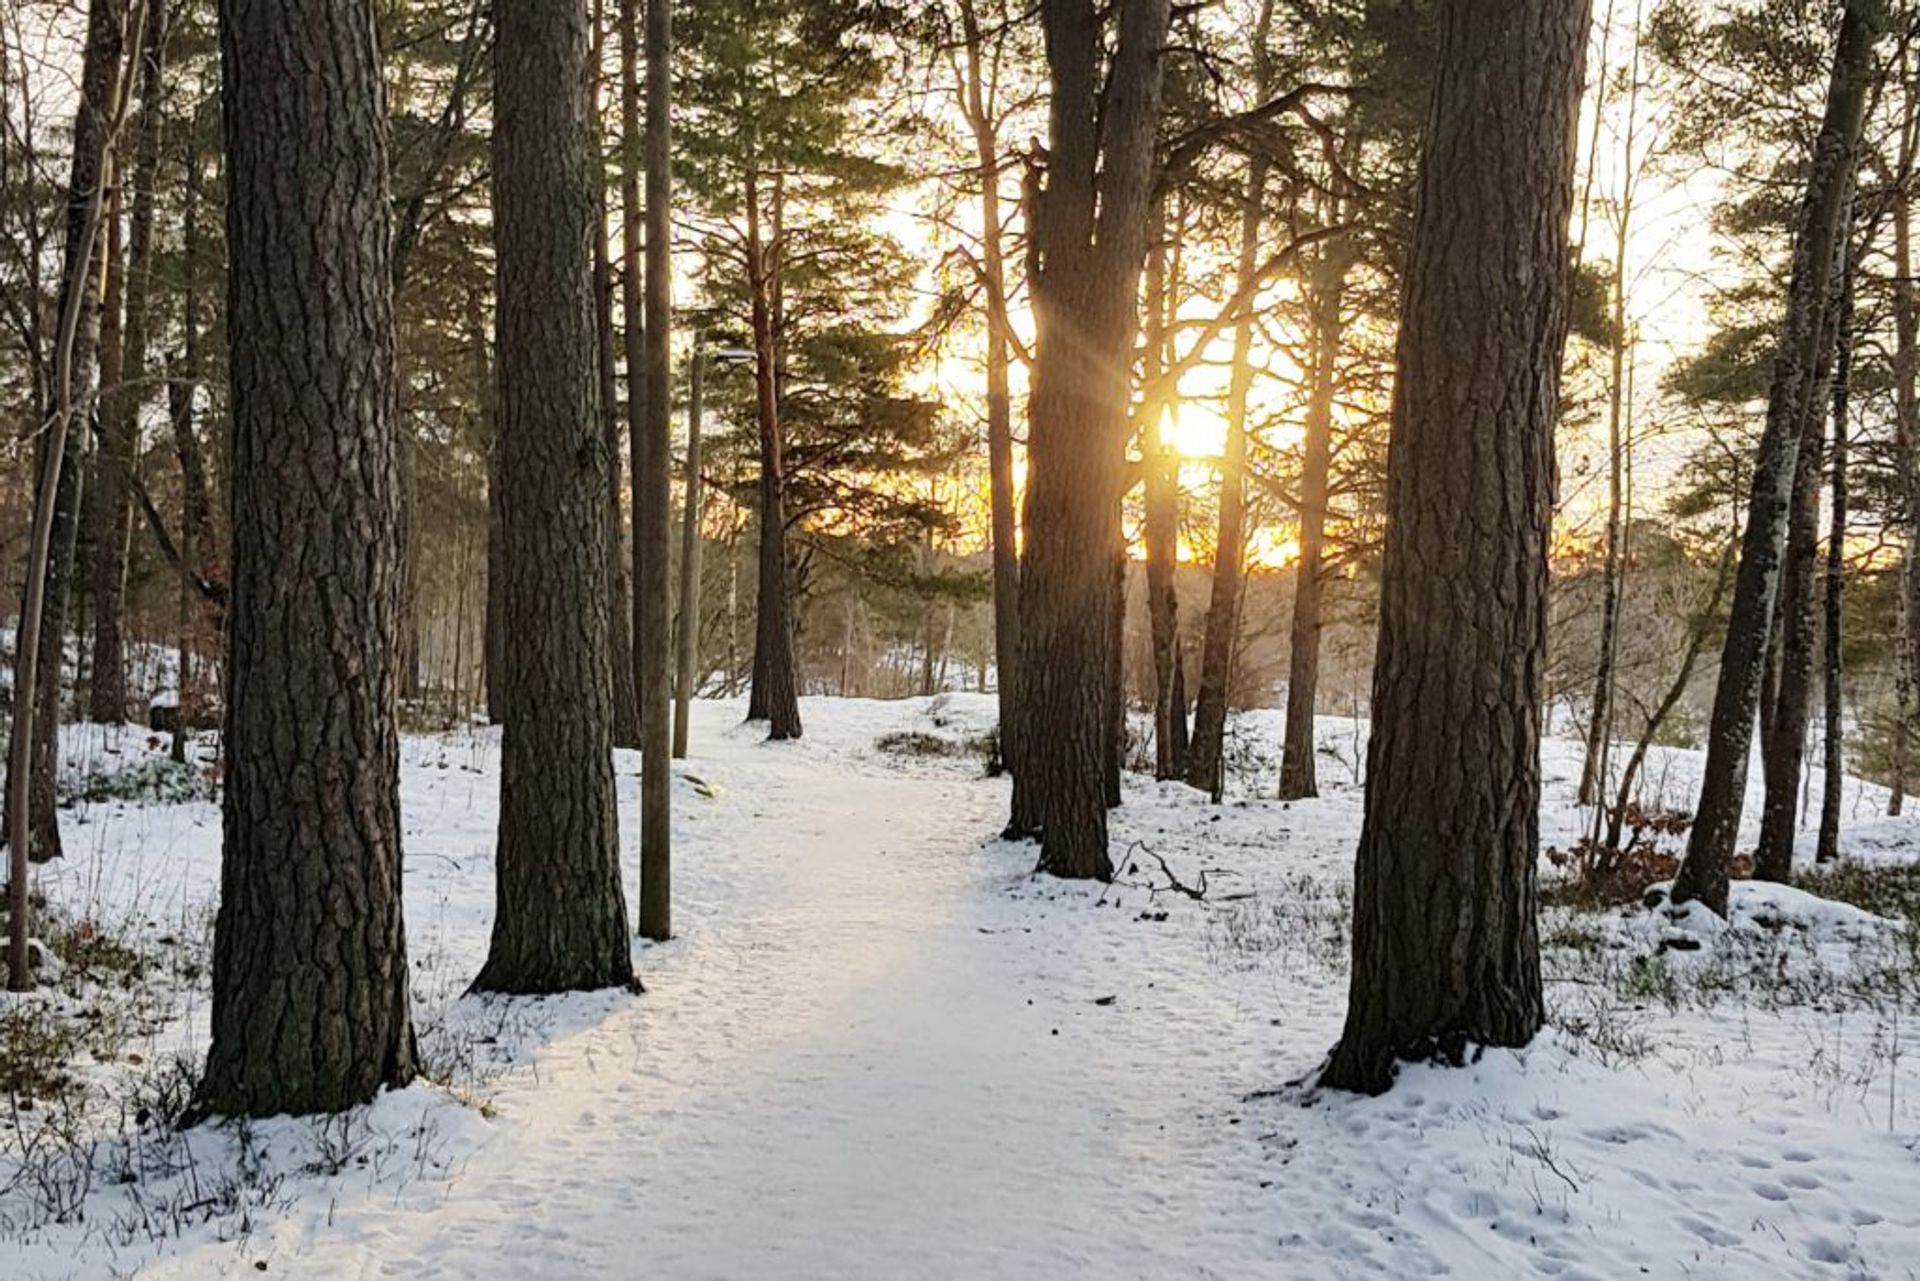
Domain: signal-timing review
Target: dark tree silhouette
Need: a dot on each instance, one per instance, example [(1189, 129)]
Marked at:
[(1089, 231)]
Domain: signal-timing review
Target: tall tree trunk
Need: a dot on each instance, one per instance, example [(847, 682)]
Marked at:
[(1000, 481), (31, 827), (686, 637), (310, 981), (1827, 849), (776, 689), (1297, 774), (1783, 735), (626, 697), (201, 557), (560, 913), (1161, 489), (1703, 874), (1205, 753), (653, 497), (103, 542), (633, 320), (112, 361), (1906, 388), (1445, 947), (1089, 237), (100, 86), (120, 411), (1613, 569), (496, 607)]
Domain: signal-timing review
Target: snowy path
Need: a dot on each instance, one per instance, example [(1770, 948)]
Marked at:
[(843, 1066), (879, 1047)]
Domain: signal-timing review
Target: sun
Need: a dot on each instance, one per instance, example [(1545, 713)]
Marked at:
[(1196, 431)]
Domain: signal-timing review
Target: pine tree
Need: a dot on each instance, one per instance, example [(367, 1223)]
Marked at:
[(1703, 875), (1089, 230), (560, 915), (310, 979), (1445, 948)]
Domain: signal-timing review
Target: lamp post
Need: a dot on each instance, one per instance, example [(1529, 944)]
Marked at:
[(687, 637)]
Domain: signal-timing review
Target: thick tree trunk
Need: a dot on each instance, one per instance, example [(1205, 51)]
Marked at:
[(310, 980), (1089, 237), (1703, 874), (653, 497), (1827, 849), (1445, 949), (560, 915), (1298, 778), (776, 689)]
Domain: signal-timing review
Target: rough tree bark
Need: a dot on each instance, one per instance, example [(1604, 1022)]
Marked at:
[(560, 915), (1328, 283), (310, 994), (653, 496), (1703, 873), (1445, 948), (1089, 239)]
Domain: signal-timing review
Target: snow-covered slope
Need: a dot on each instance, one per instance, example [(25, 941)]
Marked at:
[(881, 1048)]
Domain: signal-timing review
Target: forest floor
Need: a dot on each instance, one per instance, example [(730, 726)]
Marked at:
[(880, 1047)]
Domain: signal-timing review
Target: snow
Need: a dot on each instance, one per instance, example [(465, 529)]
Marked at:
[(881, 1047)]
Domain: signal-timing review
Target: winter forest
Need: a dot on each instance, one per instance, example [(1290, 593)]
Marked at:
[(960, 638)]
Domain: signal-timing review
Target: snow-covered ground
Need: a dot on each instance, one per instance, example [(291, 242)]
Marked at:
[(880, 1047)]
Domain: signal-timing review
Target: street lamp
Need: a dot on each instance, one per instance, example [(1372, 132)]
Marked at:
[(687, 637)]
